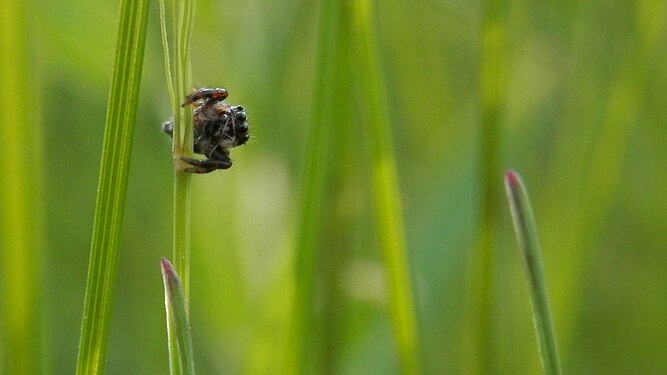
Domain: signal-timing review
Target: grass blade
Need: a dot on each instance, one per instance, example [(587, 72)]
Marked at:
[(112, 186), (317, 165), (21, 204), (480, 331), (526, 232), (385, 189), (181, 356)]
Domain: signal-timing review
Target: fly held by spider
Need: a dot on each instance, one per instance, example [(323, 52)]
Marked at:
[(218, 127)]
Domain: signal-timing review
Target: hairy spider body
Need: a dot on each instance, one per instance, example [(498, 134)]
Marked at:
[(218, 127)]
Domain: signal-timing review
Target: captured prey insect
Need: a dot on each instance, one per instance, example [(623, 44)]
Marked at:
[(218, 127)]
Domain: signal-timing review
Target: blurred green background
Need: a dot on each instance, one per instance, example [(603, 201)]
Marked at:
[(585, 87)]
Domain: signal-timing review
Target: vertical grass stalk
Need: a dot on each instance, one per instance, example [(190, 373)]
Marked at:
[(179, 84), (112, 186), (385, 189), (21, 208), (317, 165), (479, 360), (526, 233)]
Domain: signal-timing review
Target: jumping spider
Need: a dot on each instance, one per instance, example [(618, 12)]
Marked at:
[(218, 127)]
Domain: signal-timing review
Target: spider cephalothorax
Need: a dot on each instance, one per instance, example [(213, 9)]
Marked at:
[(218, 127)]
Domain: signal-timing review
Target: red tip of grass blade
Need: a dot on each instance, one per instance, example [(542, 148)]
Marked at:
[(511, 180), (168, 271), (513, 188)]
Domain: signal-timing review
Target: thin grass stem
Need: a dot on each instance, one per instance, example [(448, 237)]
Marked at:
[(179, 84)]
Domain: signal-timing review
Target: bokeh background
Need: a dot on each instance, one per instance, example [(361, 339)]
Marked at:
[(583, 120)]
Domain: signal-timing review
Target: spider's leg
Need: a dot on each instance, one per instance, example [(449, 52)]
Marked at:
[(215, 95), (206, 166)]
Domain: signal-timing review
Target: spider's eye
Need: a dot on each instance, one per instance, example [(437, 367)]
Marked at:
[(243, 128), (240, 116)]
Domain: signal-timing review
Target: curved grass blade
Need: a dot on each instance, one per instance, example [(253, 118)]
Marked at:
[(526, 232), (112, 186), (181, 356)]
